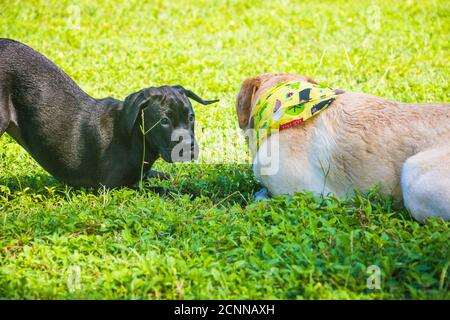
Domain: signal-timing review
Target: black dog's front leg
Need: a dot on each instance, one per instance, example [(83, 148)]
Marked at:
[(150, 174), (161, 191)]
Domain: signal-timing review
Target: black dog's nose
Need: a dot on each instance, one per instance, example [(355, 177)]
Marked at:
[(186, 153)]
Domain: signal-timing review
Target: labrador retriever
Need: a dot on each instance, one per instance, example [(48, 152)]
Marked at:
[(357, 142), (88, 142)]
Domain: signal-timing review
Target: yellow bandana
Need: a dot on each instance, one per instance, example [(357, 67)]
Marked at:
[(288, 104)]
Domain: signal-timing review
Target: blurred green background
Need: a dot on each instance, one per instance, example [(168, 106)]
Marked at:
[(56, 242)]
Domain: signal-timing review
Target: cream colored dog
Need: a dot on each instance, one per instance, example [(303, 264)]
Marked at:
[(358, 142)]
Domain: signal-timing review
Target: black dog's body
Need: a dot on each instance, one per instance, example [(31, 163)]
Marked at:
[(80, 140)]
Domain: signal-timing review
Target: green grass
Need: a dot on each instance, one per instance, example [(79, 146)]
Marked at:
[(56, 242)]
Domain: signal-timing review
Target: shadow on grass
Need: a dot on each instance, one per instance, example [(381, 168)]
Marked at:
[(214, 181), (220, 183), (34, 183)]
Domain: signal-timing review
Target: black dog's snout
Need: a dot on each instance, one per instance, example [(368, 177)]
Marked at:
[(184, 147), (187, 153)]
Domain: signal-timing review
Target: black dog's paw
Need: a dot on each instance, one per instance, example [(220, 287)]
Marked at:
[(151, 174), (192, 194)]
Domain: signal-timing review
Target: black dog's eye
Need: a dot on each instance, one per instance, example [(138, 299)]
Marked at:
[(191, 118), (165, 121)]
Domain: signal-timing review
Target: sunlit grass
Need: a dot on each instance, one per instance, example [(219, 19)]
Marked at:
[(56, 242)]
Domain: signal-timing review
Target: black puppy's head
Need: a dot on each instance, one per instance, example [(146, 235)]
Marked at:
[(168, 119)]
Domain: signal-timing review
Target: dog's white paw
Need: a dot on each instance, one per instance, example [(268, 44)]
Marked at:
[(262, 194)]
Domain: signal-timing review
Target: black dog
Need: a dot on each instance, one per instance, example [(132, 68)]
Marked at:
[(86, 142)]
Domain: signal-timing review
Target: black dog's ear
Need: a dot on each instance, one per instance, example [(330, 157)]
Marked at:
[(132, 107), (195, 97)]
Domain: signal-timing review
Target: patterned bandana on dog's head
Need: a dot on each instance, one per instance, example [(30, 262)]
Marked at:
[(288, 104)]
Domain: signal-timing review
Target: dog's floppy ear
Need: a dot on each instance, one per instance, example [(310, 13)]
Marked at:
[(132, 107), (245, 98), (193, 96)]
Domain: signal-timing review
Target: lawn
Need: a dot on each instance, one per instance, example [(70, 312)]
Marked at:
[(57, 242)]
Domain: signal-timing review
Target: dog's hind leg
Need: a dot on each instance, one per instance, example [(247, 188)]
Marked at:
[(5, 111), (425, 182), (3, 124)]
